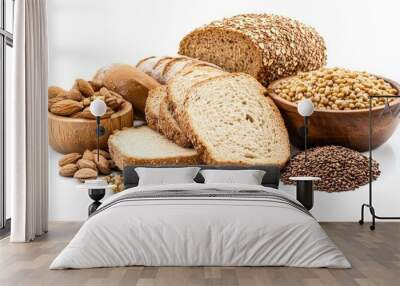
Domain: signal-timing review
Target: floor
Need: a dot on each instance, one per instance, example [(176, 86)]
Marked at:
[(375, 257)]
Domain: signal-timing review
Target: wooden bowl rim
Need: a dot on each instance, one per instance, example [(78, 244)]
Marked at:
[(125, 109), (276, 97)]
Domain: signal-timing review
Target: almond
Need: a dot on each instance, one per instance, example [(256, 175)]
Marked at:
[(69, 159), (84, 87), (73, 94), (85, 163), (103, 153), (113, 102), (103, 165), (68, 170), (95, 85), (88, 155), (104, 92), (86, 102), (66, 107), (85, 174), (53, 100), (53, 91), (85, 113)]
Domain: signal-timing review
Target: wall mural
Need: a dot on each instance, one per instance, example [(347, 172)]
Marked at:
[(229, 97)]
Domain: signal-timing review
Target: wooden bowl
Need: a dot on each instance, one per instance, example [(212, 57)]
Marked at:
[(348, 128), (68, 135)]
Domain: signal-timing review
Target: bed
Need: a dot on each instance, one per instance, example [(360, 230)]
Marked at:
[(201, 224)]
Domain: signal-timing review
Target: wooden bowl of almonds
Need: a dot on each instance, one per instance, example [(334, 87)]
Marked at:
[(72, 127), (341, 101)]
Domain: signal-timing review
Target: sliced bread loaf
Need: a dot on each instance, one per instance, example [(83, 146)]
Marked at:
[(230, 121), (169, 127), (159, 67), (152, 109), (144, 146), (178, 87), (146, 65), (164, 68), (265, 46)]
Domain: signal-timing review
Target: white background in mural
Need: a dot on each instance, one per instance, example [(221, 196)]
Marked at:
[(86, 35)]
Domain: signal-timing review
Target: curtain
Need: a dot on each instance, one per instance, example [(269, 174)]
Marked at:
[(27, 117)]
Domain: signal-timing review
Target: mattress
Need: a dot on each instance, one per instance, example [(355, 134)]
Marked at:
[(201, 225)]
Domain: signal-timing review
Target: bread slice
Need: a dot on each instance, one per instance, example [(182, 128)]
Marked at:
[(152, 109), (182, 82), (144, 146), (265, 46), (230, 121), (169, 127)]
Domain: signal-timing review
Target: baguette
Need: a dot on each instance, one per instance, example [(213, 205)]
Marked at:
[(237, 125)]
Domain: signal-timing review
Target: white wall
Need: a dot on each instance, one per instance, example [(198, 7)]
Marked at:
[(85, 35)]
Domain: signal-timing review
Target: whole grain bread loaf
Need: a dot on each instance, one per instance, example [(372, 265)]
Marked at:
[(230, 121), (164, 68), (152, 109), (144, 146), (127, 81), (268, 47)]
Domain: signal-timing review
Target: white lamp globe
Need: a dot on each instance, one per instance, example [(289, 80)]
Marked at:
[(305, 107), (98, 107)]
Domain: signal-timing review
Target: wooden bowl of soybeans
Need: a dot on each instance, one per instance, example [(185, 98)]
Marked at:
[(341, 102)]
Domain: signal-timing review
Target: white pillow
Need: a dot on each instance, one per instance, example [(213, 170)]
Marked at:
[(248, 177), (163, 176)]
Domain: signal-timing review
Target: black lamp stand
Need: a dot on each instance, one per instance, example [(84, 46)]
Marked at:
[(97, 194), (370, 203), (100, 131)]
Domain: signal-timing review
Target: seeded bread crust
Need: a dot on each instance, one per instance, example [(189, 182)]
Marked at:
[(122, 160), (279, 46), (169, 127), (152, 109), (201, 146)]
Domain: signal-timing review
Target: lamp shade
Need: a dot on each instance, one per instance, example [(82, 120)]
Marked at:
[(98, 107), (305, 107)]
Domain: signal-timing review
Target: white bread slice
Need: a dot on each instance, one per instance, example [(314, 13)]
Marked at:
[(152, 109), (178, 87), (169, 127), (144, 146), (230, 121)]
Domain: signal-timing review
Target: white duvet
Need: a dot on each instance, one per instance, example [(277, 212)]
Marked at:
[(200, 231)]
